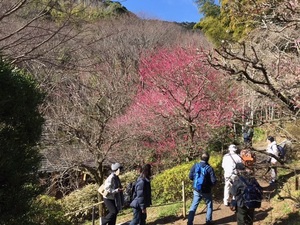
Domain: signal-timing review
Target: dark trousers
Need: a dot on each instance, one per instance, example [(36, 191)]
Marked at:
[(111, 217), (244, 216), (138, 217)]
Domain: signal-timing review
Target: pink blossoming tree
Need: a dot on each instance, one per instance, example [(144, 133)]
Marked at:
[(180, 104)]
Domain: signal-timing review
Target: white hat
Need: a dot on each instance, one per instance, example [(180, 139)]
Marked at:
[(232, 148), (116, 166)]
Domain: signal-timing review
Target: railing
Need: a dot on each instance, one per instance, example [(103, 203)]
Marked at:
[(88, 207), (96, 204)]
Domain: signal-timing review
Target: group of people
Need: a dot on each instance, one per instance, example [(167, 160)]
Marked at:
[(235, 175), (114, 198), (231, 164)]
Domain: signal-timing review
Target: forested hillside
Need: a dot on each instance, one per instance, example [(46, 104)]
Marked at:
[(119, 88)]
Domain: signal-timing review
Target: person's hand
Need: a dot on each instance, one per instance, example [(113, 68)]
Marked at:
[(120, 189), (144, 211)]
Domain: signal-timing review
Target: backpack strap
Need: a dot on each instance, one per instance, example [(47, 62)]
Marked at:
[(234, 162), (232, 158)]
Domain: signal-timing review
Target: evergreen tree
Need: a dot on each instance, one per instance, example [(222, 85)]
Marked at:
[(20, 130), (229, 21)]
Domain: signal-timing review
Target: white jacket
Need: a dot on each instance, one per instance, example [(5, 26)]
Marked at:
[(229, 164), (272, 149)]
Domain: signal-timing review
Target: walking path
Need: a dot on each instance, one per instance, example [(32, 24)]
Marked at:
[(224, 216)]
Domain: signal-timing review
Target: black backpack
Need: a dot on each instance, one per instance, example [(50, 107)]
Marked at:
[(128, 194), (252, 194)]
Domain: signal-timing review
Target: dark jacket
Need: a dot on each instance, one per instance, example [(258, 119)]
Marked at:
[(142, 194), (237, 190), (238, 187), (210, 177)]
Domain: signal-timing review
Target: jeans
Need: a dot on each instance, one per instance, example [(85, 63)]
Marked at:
[(138, 217), (196, 200)]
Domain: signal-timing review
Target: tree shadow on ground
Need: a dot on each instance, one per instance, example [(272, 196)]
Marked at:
[(165, 220), (227, 219), (292, 219), (261, 214), (275, 188)]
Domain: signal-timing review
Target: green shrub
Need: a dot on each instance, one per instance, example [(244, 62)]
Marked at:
[(259, 135), (167, 186), (81, 199), (48, 211), (128, 177)]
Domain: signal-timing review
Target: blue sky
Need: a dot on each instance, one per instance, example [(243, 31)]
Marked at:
[(167, 10)]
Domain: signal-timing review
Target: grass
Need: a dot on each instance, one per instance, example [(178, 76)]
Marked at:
[(285, 205), (155, 212)]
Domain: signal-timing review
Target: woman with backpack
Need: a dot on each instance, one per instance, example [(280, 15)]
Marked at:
[(113, 199), (141, 197)]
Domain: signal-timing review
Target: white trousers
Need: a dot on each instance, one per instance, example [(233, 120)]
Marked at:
[(227, 187)]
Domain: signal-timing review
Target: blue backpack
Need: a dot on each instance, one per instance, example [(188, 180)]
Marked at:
[(281, 151), (199, 176), (252, 194)]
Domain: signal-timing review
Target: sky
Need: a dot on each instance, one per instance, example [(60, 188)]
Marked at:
[(167, 10)]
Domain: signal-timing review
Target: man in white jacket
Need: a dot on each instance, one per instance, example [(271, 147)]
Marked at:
[(230, 172), (272, 149)]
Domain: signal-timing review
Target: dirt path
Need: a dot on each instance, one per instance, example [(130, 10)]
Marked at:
[(224, 216)]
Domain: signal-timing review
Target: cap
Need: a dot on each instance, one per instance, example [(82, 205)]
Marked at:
[(232, 148), (116, 166)]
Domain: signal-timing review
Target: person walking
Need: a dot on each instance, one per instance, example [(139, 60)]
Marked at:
[(206, 188), (114, 199), (248, 133), (245, 203), (229, 162), (141, 197), (130, 187), (272, 149)]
